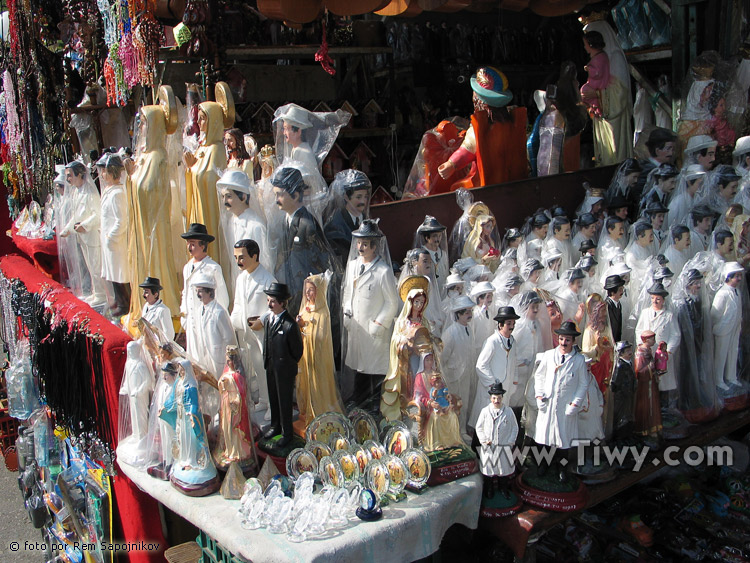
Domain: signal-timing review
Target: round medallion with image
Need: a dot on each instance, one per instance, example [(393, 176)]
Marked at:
[(330, 472), (418, 465), (349, 466), (299, 461)]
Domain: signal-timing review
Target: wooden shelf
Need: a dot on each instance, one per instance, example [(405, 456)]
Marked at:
[(289, 52), (652, 54), (515, 531)]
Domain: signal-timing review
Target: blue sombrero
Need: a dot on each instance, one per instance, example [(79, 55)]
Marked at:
[(491, 86)]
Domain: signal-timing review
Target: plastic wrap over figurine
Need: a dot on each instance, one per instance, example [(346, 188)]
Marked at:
[(418, 262), (241, 218), (437, 146), (135, 397), (150, 249), (350, 194), (72, 266), (369, 304), (697, 398), (83, 225), (303, 248), (306, 137), (193, 471), (23, 394)]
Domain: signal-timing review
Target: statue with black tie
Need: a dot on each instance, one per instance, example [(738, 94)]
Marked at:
[(615, 288), (282, 350)]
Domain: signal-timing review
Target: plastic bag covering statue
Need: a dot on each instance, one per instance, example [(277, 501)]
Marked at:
[(692, 305), (432, 236), (618, 63), (418, 262), (350, 192), (72, 267), (176, 173), (483, 241), (458, 356), (623, 391), (135, 397), (84, 226), (23, 394), (113, 122), (721, 189), (150, 234), (705, 75), (235, 442), (563, 96), (316, 383), (647, 414), (642, 113), (462, 227), (193, 470), (275, 217), (241, 218), (533, 335), (114, 232), (205, 165), (411, 333), (688, 192), (438, 420), (369, 302), (437, 146), (306, 137), (610, 104), (558, 239), (496, 140), (661, 321), (303, 247), (551, 136), (161, 435), (612, 241)]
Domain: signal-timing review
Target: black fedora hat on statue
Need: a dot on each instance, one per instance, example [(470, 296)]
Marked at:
[(496, 389), (151, 283), (197, 231), (279, 291), (568, 328), (505, 314), (430, 225), (368, 229)]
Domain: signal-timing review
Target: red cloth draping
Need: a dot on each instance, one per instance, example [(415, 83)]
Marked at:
[(43, 253), (136, 513)]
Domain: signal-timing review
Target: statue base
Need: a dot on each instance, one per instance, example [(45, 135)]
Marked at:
[(451, 464), (198, 489), (549, 493), (369, 515), (247, 466), (416, 489), (499, 506), (159, 471), (738, 403), (269, 445), (700, 415)]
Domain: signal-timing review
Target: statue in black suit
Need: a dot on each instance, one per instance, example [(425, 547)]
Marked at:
[(304, 249), (282, 350), (614, 286), (351, 190)]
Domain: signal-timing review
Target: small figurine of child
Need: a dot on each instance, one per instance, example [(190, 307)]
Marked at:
[(439, 393), (496, 428), (661, 356)]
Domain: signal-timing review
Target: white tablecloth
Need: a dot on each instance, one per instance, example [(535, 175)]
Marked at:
[(409, 530)]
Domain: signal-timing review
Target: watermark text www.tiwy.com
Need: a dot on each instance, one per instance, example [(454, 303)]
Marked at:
[(602, 454)]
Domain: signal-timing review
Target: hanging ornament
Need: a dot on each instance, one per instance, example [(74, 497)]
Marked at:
[(322, 55)]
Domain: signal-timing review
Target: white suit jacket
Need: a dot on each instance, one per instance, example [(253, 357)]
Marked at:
[(369, 297), (494, 363), (560, 384), (249, 299), (160, 316), (249, 225), (500, 428), (114, 234), (666, 328), (214, 334), (726, 311), (190, 304), (457, 357)]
